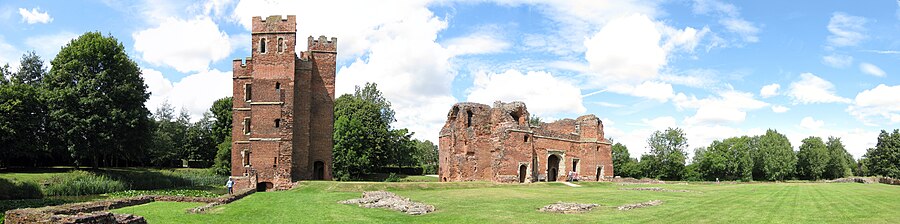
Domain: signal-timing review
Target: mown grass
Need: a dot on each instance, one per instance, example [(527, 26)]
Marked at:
[(478, 202)]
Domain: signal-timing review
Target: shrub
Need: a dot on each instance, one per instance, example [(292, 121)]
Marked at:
[(392, 178), (81, 183), (178, 192), (162, 179), (11, 189)]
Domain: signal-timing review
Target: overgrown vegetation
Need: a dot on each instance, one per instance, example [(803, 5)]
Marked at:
[(364, 139), (12, 189), (81, 183), (176, 192)]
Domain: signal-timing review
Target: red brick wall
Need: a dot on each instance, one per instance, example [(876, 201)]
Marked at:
[(295, 92), (494, 146)]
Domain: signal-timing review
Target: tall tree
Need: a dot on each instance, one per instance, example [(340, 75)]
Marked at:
[(623, 164), (727, 160), (21, 124), (668, 150), (427, 156), (5, 73), (812, 158), (840, 162), (362, 137), (884, 159), (31, 69), (773, 157), (221, 132), (96, 97)]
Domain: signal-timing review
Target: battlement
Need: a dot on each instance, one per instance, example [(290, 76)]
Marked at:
[(322, 44), (241, 62), (275, 24)]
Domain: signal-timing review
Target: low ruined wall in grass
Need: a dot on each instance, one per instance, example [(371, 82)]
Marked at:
[(888, 180), (96, 212)]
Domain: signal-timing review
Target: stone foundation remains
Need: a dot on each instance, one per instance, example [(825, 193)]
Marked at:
[(567, 208), (384, 199), (640, 205), (97, 212)]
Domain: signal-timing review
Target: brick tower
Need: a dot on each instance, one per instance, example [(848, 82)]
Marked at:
[(283, 108)]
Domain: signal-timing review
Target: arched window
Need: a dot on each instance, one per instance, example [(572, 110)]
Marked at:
[(262, 45), (280, 45)]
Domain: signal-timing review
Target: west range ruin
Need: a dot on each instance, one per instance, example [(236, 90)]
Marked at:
[(483, 143)]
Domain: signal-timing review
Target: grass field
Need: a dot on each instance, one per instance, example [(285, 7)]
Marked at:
[(478, 202)]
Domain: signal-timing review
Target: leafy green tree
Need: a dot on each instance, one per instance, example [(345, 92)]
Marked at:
[(862, 165), (812, 158), (427, 156), (31, 69), (773, 157), (362, 138), (884, 159), (623, 164), (727, 160), (668, 149), (352, 156), (96, 97), (221, 126), (840, 162), (221, 133), (21, 124), (4, 74), (647, 166), (534, 121), (168, 136)]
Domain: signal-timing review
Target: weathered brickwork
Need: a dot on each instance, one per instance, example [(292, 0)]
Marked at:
[(480, 142), (283, 107)]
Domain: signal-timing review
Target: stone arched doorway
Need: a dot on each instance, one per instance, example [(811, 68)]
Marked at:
[(319, 170), (552, 167), (599, 172), (523, 170)]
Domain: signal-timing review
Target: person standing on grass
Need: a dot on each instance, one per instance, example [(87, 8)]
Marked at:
[(230, 186)]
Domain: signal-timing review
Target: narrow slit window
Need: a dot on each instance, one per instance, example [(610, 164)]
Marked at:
[(468, 118), (526, 138), (277, 123), (246, 125), (262, 46), (280, 45), (248, 92), (277, 86)]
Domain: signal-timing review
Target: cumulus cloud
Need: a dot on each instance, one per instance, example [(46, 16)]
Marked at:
[(812, 89), (811, 123), (626, 50), (652, 90), (728, 107), (837, 60), (194, 93), (846, 30), (185, 45), (769, 90), (779, 109), (871, 69), (35, 16), (544, 94), (9, 54), (877, 104)]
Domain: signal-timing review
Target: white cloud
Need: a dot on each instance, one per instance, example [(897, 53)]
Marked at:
[(846, 30), (837, 60), (544, 94), (729, 17), (626, 50), (653, 90), (47, 46), (856, 140), (871, 69), (745, 29), (9, 55), (185, 45), (812, 89), (879, 102), (769, 90), (728, 107), (478, 43), (35, 16), (194, 93), (811, 123), (779, 109)]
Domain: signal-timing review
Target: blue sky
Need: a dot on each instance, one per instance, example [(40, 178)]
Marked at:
[(715, 69)]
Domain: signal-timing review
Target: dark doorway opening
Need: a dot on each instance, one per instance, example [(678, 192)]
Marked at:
[(263, 186), (319, 170), (552, 167), (599, 173), (523, 169)]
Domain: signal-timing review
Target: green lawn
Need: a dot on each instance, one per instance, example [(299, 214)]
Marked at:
[(476, 202)]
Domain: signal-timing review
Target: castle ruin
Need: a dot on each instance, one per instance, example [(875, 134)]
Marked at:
[(480, 142), (283, 108)]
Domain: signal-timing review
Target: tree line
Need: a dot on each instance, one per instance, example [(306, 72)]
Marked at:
[(768, 157)]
